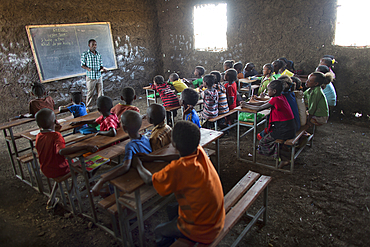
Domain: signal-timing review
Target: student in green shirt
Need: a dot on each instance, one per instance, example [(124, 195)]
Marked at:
[(198, 72), (267, 77), (318, 111)]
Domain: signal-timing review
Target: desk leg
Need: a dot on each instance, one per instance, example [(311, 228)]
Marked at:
[(88, 189), (238, 137), (123, 229), (140, 220), (10, 152), (254, 137), (37, 170), (147, 98), (75, 185), (16, 152)]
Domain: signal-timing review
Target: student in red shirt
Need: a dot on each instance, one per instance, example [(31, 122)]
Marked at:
[(50, 146), (41, 101), (194, 181), (168, 97), (231, 77), (128, 95), (281, 121), (108, 121)]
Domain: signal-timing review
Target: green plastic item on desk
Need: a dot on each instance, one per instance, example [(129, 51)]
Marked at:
[(249, 117), (152, 95)]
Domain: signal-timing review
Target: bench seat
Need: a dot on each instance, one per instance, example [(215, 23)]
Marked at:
[(237, 201)]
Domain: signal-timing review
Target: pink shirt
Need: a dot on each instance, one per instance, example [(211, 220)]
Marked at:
[(280, 110), (109, 122)]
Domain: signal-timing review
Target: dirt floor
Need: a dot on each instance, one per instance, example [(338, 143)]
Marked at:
[(325, 202)]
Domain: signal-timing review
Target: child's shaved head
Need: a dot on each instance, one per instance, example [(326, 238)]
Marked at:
[(45, 118), (186, 137), (174, 77), (128, 95), (131, 121), (104, 103), (156, 113)]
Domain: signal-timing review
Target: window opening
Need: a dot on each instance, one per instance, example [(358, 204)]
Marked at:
[(210, 26)]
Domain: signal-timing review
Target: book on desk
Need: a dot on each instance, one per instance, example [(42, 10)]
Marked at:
[(94, 162)]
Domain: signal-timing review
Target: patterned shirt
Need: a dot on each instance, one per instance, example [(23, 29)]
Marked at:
[(161, 136), (210, 103), (109, 122), (94, 62), (223, 106), (168, 97)]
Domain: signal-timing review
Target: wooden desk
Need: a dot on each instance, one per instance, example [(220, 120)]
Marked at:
[(131, 181), (101, 142), (250, 87), (10, 138), (251, 126)]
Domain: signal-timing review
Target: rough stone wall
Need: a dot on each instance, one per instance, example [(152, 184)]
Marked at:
[(262, 31), (134, 28)]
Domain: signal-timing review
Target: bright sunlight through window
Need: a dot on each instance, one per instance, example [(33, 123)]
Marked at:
[(352, 29), (210, 24)]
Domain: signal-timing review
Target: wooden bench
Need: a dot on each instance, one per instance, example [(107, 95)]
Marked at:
[(293, 143), (214, 120), (148, 197), (237, 201)]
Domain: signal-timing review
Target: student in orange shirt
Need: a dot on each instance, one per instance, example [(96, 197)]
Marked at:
[(196, 185), (41, 101)]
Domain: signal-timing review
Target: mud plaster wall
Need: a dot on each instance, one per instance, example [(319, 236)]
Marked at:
[(262, 31), (134, 29)]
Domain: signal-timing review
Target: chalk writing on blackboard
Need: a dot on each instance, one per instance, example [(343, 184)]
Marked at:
[(57, 48)]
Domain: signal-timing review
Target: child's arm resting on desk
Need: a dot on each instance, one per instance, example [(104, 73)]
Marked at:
[(64, 108), (71, 150), (112, 132), (111, 175), (83, 122)]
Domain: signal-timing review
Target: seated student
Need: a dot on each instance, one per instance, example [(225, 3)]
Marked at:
[(50, 146), (318, 110), (249, 70), (41, 101), (231, 87), (188, 99), (198, 73), (161, 133), (288, 92), (239, 68), (267, 77), (210, 98), (131, 123), (298, 93), (281, 120), (223, 106), (108, 121), (177, 83), (77, 108), (168, 97), (128, 95), (290, 66), (278, 66), (329, 90), (329, 61), (194, 181), (284, 70), (228, 64)]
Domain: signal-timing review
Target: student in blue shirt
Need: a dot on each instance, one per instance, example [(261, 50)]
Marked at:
[(188, 99), (77, 108), (131, 124)]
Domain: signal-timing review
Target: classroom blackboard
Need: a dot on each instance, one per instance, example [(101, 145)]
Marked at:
[(57, 48)]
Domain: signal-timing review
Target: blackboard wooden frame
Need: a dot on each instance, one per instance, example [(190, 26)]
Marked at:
[(53, 48)]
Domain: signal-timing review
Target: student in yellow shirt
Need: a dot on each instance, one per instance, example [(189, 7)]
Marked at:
[(177, 83)]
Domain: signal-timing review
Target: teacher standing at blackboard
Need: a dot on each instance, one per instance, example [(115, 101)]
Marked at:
[(91, 61)]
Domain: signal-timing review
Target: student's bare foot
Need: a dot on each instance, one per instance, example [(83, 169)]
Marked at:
[(283, 163)]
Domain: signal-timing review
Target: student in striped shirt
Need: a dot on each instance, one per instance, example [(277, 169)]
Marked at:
[(223, 107), (210, 98), (168, 97)]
